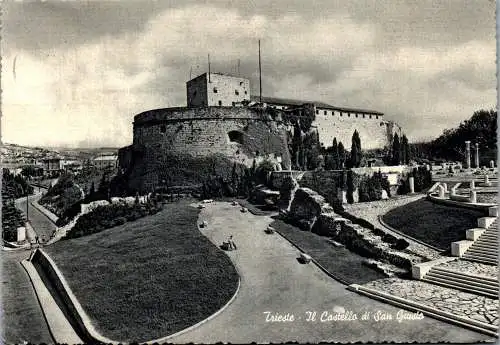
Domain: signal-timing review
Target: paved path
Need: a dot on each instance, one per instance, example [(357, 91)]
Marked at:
[(273, 280), (456, 302), (371, 211), (22, 318), (41, 224)]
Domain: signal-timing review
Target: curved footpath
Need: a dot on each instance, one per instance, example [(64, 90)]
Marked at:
[(374, 210), (272, 280)]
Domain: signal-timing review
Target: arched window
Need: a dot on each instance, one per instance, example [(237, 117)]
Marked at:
[(235, 137)]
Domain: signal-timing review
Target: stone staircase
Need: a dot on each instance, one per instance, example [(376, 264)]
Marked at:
[(479, 285), (485, 248)]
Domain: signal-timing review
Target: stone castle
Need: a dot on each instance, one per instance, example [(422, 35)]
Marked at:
[(223, 119)]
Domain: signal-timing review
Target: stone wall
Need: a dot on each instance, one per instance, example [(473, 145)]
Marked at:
[(374, 132), (205, 137), (51, 278), (311, 212), (306, 207)]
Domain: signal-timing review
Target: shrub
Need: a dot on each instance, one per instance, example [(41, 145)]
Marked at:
[(104, 217), (388, 238), (401, 244)]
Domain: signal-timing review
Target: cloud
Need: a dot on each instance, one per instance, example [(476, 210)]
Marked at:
[(83, 76)]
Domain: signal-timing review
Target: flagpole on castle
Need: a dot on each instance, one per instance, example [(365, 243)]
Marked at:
[(260, 77)]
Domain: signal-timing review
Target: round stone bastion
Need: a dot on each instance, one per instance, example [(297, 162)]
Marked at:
[(174, 143)]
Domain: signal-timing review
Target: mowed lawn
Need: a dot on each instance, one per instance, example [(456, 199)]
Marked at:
[(148, 278), (437, 225), (339, 261)]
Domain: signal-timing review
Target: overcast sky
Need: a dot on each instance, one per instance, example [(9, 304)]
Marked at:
[(75, 73)]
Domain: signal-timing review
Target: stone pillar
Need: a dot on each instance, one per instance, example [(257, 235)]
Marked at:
[(476, 157), (486, 180), (473, 197), (472, 184), (441, 191), (445, 186), (492, 164), (453, 191), (21, 234), (411, 180), (467, 154)]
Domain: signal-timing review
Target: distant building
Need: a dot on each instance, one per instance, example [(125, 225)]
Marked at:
[(71, 165), (217, 90), (51, 165), (103, 162)]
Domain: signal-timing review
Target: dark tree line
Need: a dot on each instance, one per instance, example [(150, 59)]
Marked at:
[(14, 186), (481, 128), (400, 152)]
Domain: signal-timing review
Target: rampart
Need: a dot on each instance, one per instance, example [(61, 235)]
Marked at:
[(171, 146)]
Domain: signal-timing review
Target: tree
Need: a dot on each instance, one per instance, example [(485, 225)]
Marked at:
[(342, 155), (396, 150), (407, 150), (335, 155), (350, 187), (355, 159)]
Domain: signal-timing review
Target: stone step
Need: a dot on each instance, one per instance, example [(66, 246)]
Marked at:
[(461, 281), (478, 326), (490, 246), (480, 255), (476, 291), (489, 238), (482, 251), (485, 279), (489, 234), (480, 259)]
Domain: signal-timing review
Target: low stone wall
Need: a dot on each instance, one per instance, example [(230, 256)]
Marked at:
[(362, 240), (311, 212), (53, 282), (51, 216)]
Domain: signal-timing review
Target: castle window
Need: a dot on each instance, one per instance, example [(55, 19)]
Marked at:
[(317, 111), (234, 104), (220, 103), (340, 113), (245, 92), (363, 116), (376, 117), (370, 116), (356, 115), (235, 137), (215, 90), (163, 128), (236, 92), (349, 114)]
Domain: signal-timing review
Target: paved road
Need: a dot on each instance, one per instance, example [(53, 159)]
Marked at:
[(41, 224), (22, 318), (273, 280)]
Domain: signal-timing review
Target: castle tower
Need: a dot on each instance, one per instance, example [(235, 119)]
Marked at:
[(217, 90)]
